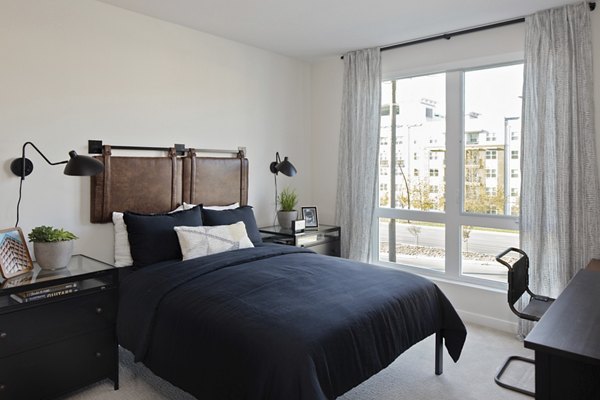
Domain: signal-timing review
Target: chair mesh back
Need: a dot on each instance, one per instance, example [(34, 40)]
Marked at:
[(518, 279)]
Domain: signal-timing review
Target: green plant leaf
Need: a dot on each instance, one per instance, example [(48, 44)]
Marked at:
[(287, 199), (45, 234)]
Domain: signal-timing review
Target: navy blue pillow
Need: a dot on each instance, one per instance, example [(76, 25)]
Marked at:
[(152, 238), (228, 217)]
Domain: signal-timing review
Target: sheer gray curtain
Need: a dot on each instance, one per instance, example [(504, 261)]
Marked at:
[(559, 203), (359, 144)]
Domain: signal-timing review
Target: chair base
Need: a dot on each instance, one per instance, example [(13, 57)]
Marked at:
[(503, 369)]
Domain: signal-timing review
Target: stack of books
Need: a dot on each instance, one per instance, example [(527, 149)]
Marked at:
[(45, 293)]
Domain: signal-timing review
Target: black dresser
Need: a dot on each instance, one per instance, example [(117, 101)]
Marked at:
[(51, 344)]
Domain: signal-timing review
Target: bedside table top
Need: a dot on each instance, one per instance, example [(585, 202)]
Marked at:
[(78, 266), (278, 230)]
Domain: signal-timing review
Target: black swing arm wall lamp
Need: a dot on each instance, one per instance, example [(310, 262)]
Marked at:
[(76, 165), (285, 167)]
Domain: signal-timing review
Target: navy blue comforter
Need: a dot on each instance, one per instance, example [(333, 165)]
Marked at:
[(277, 322)]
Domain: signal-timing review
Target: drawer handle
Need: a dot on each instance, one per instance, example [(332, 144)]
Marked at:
[(3, 335), (2, 387), (98, 310), (98, 355)]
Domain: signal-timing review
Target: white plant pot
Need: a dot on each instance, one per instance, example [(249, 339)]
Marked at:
[(53, 255), (285, 218)]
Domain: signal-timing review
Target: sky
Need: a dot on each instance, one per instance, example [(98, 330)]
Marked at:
[(493, 93)]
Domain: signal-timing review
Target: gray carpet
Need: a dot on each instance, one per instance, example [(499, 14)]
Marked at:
[(410, 377)]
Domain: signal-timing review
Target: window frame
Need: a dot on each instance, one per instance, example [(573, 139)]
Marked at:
[(454, 217)]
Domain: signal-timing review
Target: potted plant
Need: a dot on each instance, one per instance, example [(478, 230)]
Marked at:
[(287, 199), (52, 247)]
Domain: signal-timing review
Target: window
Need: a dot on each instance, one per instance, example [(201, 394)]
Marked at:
[(385, 109), (514, 154), (490, 155), (429, 113), (417, 228), (473, 137)]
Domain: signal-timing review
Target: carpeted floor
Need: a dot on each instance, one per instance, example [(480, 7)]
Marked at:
[(410, 377)]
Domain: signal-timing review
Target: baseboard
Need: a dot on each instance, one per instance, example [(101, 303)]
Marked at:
[(490, 322)]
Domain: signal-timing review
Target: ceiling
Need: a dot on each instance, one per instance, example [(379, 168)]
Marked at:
[(309, 29)]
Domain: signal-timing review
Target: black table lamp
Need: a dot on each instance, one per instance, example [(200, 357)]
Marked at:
[(76, 165)]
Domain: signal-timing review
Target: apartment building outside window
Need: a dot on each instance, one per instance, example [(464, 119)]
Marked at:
[(468, 144)]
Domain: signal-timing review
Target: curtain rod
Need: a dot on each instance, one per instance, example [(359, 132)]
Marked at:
[(450, 35)]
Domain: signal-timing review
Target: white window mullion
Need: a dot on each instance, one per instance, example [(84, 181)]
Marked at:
[(454, 112)]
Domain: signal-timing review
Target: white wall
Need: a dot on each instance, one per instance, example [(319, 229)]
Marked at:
[(326, 105), (474, 303), (74, 70)]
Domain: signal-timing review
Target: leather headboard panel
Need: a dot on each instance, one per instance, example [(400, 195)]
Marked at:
[(160, 184), (215, 181)]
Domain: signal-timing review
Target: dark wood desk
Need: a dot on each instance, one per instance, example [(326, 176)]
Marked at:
[(566, 341)]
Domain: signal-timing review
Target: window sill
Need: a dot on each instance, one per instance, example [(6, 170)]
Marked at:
[(436, 276)]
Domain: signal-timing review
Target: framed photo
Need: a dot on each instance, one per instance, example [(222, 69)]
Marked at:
[(14, 254), (310, 216)]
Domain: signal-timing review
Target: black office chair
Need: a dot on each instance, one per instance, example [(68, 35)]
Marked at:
[(518, 284)]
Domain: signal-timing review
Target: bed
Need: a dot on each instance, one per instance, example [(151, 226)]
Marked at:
[(266, 321)]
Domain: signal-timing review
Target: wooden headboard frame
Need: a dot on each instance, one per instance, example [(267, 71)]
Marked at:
[(160, 184)]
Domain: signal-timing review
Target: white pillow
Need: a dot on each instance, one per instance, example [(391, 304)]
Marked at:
[(187, 206), (199, 241), (122, 249)]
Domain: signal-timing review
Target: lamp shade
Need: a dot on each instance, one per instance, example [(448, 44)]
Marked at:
[(286, 167), (82, 165)]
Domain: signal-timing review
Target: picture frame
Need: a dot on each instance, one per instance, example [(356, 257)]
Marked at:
[(309, 214), (14, 253)]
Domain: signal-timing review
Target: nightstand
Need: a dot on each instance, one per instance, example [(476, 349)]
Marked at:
[(53, 344), (323, 240)]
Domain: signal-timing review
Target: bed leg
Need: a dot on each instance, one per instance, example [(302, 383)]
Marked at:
[(439, 353)]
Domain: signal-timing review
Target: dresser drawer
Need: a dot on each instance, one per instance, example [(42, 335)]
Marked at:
[(49, 371), (40, 323)]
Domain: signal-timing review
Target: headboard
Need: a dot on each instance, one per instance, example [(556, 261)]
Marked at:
[(160, 184)]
